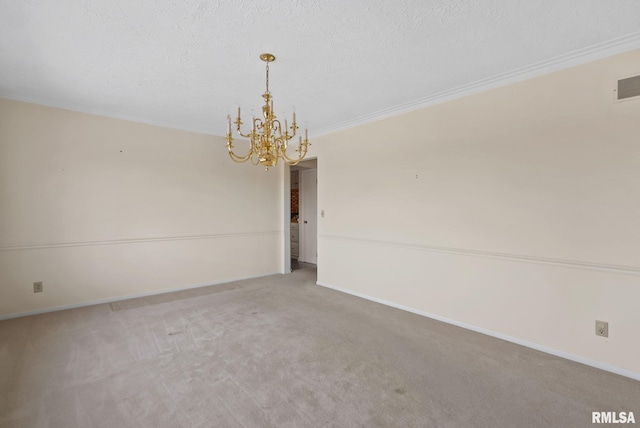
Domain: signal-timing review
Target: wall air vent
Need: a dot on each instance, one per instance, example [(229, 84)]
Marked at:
[(628, 88)]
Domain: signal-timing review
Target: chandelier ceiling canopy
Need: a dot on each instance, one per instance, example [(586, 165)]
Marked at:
[(268, 138)]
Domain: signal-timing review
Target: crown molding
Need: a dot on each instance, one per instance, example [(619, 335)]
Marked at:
[(577, 57), (48, 102), (570, 59)]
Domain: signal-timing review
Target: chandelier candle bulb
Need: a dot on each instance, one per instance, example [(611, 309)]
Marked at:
[(268, 142)]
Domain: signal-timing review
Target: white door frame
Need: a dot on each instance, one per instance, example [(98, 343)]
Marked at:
[(308, 244), (287, 218), (286, 190)]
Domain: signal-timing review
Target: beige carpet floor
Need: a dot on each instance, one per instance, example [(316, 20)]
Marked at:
[(280, 351)]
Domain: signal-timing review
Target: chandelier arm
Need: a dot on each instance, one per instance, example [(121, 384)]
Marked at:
[(302, 152), (280, 146), (293, 162), (235, 157), (240, 159), (239, 129), (278, 127), (294, 128), (255, 123)]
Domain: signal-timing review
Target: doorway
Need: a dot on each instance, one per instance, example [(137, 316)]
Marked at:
[(304, 215)]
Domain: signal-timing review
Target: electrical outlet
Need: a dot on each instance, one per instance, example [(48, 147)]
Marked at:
[(37, 287), (602, 328)]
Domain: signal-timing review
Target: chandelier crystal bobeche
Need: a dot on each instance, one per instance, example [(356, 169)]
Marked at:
[(268, 138)]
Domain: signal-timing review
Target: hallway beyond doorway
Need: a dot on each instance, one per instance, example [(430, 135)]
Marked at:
[(296, 265)]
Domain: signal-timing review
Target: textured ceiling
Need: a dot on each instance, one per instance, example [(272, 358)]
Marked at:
[(188, 63)]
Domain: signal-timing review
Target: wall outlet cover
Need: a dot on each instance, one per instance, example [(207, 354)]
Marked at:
[(602, 328)]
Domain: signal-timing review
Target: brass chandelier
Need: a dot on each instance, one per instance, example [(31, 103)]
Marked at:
[(268, 138)]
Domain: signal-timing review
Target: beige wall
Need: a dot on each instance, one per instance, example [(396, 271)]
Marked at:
[(101, 208), (514, 211)]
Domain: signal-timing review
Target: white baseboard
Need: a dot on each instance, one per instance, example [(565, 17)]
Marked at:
[(537, 347), (127, 297)]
